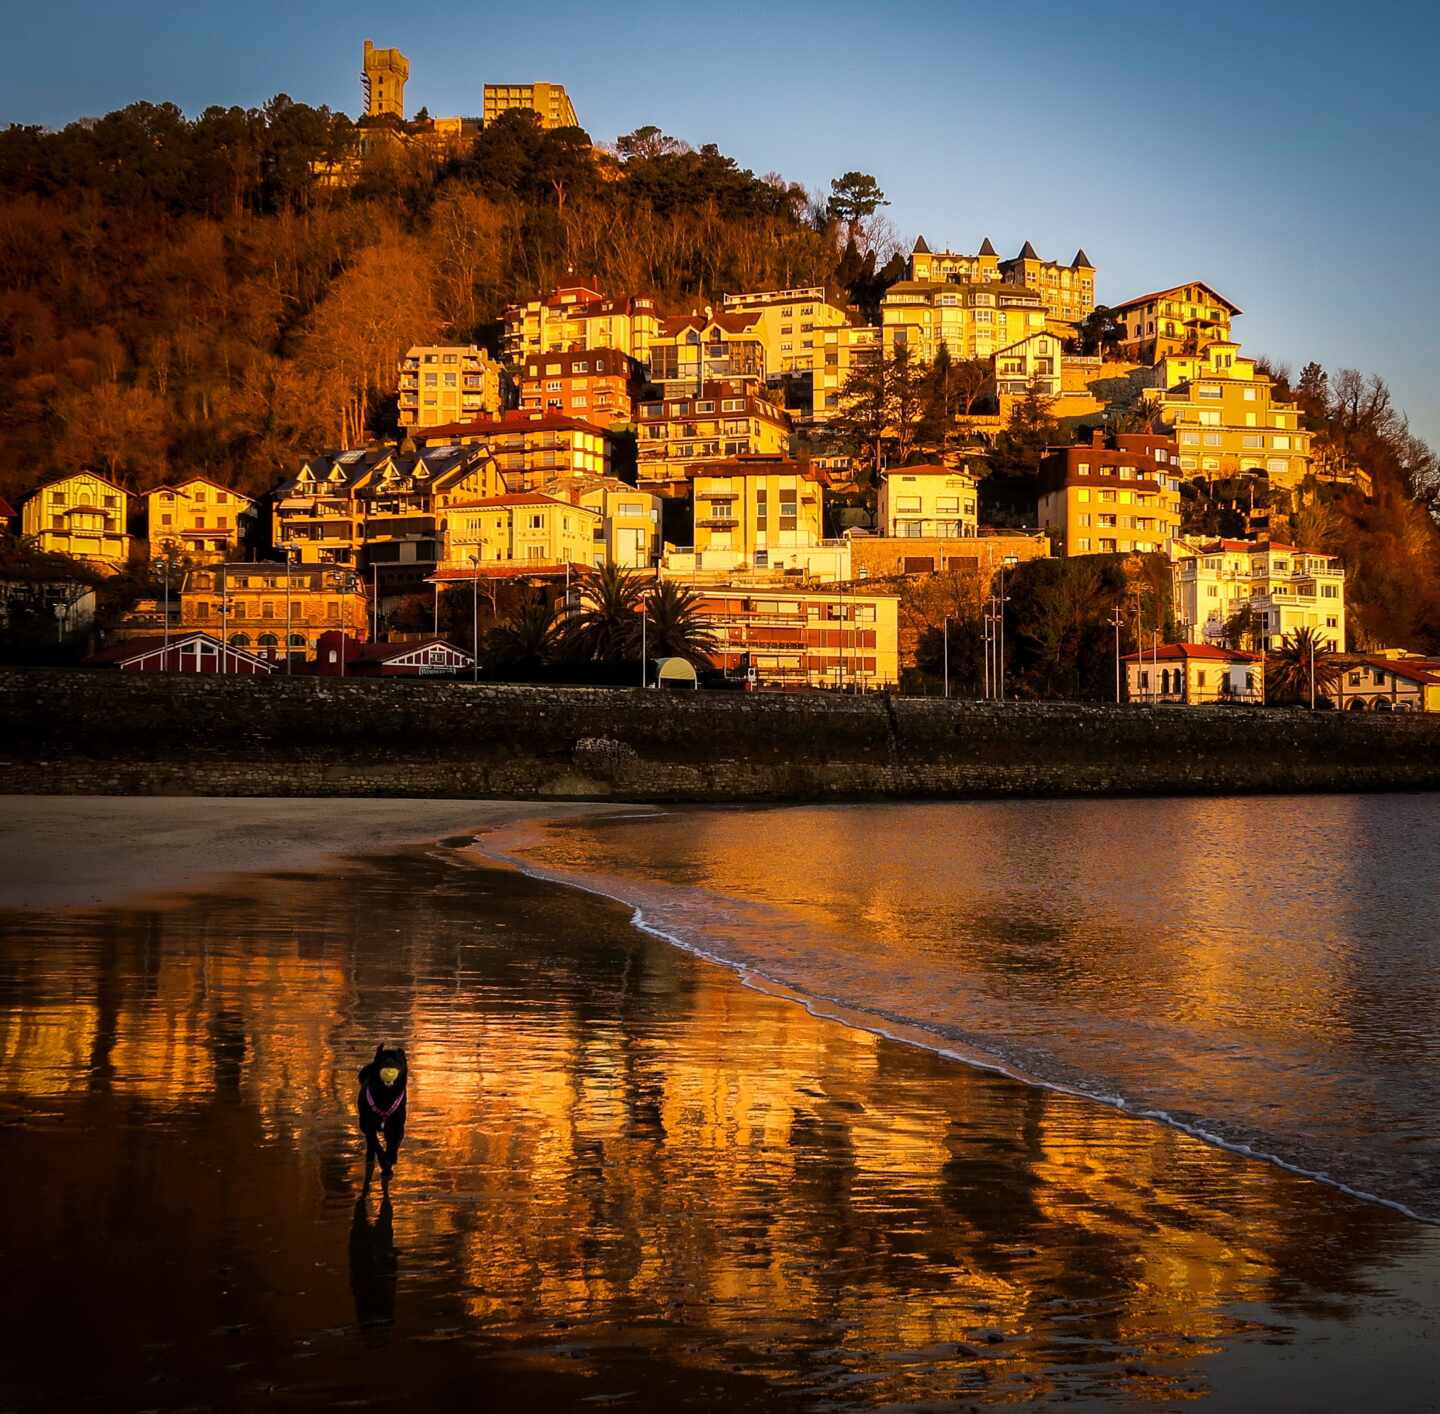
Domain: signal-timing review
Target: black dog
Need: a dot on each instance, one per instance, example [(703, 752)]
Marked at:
[(381, 1108)]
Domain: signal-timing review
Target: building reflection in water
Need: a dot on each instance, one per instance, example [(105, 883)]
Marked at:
[(610, 1145)]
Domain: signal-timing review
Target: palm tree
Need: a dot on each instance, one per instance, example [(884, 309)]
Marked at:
[(1287, 668), (606, 627), (526, 639), (677, 628)]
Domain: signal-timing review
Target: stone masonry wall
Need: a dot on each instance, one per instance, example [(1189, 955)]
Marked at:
[(118, 733)]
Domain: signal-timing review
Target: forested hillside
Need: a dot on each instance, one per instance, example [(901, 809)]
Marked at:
[(187, 295)]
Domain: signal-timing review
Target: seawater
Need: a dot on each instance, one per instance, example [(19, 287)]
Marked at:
[(1261, 972)]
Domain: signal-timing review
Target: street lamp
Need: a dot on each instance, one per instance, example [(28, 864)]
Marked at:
[(644, 642), (947, 656), (1117, 618), (1009, 562), (475, 618), (224, 615), (289, 549)]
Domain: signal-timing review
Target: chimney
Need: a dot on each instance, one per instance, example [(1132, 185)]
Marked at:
[(1097, 438)]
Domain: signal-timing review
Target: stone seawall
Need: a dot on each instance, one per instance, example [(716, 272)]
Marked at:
[(132, 734)]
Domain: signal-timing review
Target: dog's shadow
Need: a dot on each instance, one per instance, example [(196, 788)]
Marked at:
[(374, 1263)]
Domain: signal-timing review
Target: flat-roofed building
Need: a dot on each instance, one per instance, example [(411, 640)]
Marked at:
[(196, 519), (590, 384), (383, 75), (1104, 500), (726, 420), (529, 446), (548, 101), (934, 501), (837, 636), (1226, 420), (442, 383), (579, 317), (810, 339), (83, 515)]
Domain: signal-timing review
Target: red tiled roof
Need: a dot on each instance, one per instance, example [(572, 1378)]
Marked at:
[(1178, 652), (925, 469), (1170, 290), (504, 569), (512, 498), (758, 464), (1402, 668), (7, 511), (516, 420)]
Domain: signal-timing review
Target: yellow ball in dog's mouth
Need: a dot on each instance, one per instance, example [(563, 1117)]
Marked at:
[(389, 1074)]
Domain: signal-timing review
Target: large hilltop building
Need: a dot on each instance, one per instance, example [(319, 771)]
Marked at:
[(1067, 290), (548, 101), (383, 79)]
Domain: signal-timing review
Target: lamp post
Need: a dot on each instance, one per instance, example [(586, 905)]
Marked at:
[(1117, 618), (475, 618), (1009, 562), (1312, 670), (289, 549), (644, 641), (947, 657), (224, 615)]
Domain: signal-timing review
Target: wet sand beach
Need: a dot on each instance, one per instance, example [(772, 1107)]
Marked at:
[(628, 1179)]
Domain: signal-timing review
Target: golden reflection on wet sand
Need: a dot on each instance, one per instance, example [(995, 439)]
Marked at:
[(623, 1171)]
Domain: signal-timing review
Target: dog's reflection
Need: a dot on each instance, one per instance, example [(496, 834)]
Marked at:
[(373, 1262)]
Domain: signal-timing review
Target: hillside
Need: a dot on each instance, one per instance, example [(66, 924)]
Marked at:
[(187, 294)]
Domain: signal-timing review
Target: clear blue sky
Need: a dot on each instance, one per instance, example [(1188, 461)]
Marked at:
[(1287, 153)]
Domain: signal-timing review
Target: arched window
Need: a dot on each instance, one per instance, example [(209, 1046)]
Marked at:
[(297, 640), (239, 640), (268, 640), (1164, 682)]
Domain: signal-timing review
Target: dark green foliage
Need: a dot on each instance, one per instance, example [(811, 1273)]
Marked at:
[(1288, 668), (677, 628), (1059, 638)]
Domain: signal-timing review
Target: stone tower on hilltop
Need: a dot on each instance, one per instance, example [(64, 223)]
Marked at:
[(383, 80)]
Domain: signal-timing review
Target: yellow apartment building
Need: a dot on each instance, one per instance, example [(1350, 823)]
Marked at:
[(261, 606), (1226, 421), (383, 76), (804, 332), (1068, 290), (972, 321), (629, 529), (1284, 588), (932, 501), (522, 530), (838, 636), (530, 446), (82, 515), (1099, 500), (690, 350), (198, 520), (450, 383), (548, 101), (579, 317), (1182, 319), (754, 505), (725, 421)]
